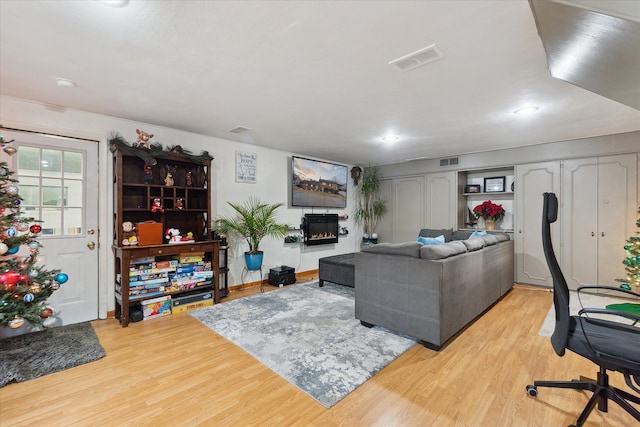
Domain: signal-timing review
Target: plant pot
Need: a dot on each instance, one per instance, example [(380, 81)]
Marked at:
[(489, 224), (253, 260)]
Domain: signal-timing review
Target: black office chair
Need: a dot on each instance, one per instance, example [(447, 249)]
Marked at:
[(613, 346)]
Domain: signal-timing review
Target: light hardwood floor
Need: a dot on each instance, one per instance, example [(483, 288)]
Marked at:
[(174, 371)]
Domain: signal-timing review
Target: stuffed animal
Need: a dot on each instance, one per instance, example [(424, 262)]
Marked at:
[(143, 139), (129, 237), (157, 206), (173, 235), (179, 203)]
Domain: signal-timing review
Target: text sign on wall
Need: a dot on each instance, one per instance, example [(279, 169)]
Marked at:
[(246, 167)]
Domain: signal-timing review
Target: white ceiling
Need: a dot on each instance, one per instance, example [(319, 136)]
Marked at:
[(309, 77)]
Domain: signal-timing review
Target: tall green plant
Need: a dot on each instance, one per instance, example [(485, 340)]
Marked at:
[(254, 220), (370, 207)]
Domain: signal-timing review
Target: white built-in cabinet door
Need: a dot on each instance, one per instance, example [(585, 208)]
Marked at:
[(598, 210), (441, 194), (532, 180), (408, 208)]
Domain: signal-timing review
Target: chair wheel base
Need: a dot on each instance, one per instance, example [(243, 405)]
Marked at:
[(532, 390)]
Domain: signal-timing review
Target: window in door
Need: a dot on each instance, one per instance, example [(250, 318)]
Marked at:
[(52, 188)]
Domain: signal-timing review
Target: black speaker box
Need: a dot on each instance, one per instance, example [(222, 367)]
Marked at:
[(282, 275)]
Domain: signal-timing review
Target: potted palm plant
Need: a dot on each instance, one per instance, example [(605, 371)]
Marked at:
[(370, 207), (254, 220)]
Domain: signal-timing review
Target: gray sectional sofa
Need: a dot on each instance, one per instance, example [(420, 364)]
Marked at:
[(432, 292)]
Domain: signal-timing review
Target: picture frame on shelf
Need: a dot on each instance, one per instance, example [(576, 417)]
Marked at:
[(472, 188), (495, 184)]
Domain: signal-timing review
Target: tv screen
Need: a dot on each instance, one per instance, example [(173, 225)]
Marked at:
[(315, 183)]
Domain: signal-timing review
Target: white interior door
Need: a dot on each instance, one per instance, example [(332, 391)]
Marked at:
[(58, 180), (532, 180)]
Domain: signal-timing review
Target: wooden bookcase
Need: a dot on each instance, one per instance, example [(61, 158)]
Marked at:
[(139, 181)]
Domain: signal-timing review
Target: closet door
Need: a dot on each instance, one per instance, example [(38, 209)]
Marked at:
[(408, 208), (531, 181), (598, 215), (617, 213), (441, 200)]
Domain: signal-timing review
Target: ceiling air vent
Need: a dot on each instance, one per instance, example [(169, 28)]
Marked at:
[(418, 58), (239, 129), (449, 162)]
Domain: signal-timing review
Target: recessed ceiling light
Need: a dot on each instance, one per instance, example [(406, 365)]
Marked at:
[(65, 82), (525, 110), (390, 138)]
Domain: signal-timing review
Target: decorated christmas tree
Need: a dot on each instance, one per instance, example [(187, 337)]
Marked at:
[(24, 285), (632, 262)]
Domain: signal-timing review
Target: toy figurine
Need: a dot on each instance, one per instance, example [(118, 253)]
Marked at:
[(179, 204), (188, 237), (172, 235), (189, 179), (157, 206), (168, 180), (148, 174)]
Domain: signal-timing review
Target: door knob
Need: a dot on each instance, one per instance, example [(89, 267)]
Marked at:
[(593, 234), (91, 245), (602, 234), (91, 231)]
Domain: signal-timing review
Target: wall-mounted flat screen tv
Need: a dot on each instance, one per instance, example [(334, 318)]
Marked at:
[(315, 183)]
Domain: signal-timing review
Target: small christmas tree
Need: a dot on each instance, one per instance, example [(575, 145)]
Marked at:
[(24, 286), (632, 262)]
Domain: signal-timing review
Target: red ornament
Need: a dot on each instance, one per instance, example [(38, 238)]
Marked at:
[(9, 277), (46, 313), (35, 229)]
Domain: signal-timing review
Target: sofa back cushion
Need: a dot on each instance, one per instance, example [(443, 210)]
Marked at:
[(461, 235), (431, 232), (474, 243), (446, 250), (411, 249)]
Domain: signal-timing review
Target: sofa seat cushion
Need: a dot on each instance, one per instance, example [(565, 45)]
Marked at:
[(442, 251), (431, 232), (411, 249)]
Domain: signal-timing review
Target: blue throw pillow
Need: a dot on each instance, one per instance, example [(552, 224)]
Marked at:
[(478, 233), (431, 240)]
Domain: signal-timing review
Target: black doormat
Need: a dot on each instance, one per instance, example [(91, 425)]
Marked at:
[(33, 355)]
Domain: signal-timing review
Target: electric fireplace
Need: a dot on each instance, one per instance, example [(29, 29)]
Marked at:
[(320, 229)]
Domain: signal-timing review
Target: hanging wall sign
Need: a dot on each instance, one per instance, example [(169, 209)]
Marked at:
[(246, 167)]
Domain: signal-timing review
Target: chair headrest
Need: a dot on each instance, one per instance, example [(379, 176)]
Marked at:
[(550, 207)]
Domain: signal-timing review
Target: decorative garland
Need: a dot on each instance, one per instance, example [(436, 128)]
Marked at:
[(148, 155)]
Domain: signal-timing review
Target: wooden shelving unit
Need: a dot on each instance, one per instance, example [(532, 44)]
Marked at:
[(185, 204)]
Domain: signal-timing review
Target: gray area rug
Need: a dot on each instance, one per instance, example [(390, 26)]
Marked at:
[(33, 355), (575, 305), (309, 336)]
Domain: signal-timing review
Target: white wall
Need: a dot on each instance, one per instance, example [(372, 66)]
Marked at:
[(272, 184)]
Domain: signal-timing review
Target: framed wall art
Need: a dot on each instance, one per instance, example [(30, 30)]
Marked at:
[(495, 184)]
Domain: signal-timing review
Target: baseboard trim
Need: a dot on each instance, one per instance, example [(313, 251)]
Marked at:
[(302, 276)]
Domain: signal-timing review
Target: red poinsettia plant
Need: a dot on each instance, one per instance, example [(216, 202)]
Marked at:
[(489, 210)]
